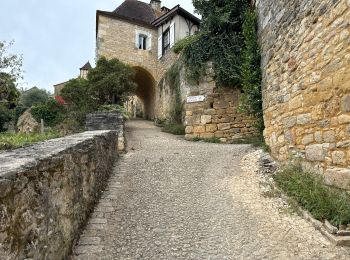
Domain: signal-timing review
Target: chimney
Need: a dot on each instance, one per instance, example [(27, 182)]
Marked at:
[(156, 5)]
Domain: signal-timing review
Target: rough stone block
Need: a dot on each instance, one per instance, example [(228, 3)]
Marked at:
[(338, 177), (189, 113), (296, 102), (304, 119), (199, 129), (193, 120), (189, 129), (207, 135), (289, 122), (221, 105), (211, 128), (315, 152), (344, 119), (345, 104), (210, 111), (219, 134), (329, 137), (224, 126), (205, 119), (339, 157), (308, 139)]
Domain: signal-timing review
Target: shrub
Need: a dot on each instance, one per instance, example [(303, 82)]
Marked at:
[(6, 115), (51, 112), (114, 108), (185, 42), (323, 202)]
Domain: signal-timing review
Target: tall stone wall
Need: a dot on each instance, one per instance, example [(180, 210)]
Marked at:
[(306, 83), (47, 192)]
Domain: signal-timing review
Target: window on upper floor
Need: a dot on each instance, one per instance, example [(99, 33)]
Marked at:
[(142, 42), (166, 41)]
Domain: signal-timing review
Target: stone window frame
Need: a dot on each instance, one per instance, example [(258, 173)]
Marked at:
[(147, 38)]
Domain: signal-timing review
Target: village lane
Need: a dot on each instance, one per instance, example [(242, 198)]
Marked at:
[(173, 199)]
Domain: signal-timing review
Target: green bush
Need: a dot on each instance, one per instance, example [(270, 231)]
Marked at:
[(185, 42), (323, 202), (175, 129), (34, 96), (6, 115), (12, 141), (114, 108), (51, 112)]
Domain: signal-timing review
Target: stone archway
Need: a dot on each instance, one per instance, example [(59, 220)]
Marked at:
[(146, 92)]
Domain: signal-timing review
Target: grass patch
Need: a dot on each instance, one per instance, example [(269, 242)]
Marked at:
[(175, 129), (13, 140), (256, 141), (309, 190)]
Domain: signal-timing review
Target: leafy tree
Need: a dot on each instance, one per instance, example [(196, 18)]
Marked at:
[(10, 64), (34, 96), (51, 112), (9, 94), (77, 94), (111, 81)]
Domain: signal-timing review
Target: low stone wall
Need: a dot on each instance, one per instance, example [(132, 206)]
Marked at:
[(48, 190), (217, 116), (306, 84), (108, 121)]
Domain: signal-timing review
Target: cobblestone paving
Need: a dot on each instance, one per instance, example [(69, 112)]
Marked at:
[(172, 199)]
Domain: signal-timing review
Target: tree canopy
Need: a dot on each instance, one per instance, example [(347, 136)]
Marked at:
[(34, 96)]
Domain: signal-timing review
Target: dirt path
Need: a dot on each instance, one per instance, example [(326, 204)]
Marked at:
[(173, 199)]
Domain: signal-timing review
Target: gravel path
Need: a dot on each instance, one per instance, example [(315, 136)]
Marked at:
[(173, 199)]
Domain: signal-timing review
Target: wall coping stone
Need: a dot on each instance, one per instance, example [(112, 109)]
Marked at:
[(20, 160)]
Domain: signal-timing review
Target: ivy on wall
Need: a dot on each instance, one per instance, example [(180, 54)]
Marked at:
[(173, 76), (229, 39)]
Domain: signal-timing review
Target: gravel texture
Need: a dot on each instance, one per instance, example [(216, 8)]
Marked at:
[(173, 199)]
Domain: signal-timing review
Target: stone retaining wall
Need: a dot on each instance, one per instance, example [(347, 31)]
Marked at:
[(217, 117), (306, 83), (108, 121), (48, 190)]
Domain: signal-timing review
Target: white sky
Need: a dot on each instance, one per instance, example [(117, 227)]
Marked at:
[(56, 37)]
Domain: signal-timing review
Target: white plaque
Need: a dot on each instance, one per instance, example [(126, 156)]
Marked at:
[(194, 99)]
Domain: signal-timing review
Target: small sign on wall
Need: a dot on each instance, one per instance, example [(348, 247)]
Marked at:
[(194, 99)]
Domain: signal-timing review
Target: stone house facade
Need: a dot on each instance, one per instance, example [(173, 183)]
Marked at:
[(306, 84), (141, 35)]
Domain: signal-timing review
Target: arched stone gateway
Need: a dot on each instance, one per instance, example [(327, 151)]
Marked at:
[(145, 92)]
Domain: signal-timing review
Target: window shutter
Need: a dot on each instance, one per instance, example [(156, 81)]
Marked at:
[(172, 34), (160, 47), (137, 40), (149, 42)]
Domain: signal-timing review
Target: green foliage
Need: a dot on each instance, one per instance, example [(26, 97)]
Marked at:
[(220, 41), (185, 42), (9, 94), (323, 202), (6, 115), (173, 76), (77, 94), (12, 141), (10, 64), (256, 141), (175, 129), (251, 99), (51, 112), (111, 81), (33, 97), (114, 108)]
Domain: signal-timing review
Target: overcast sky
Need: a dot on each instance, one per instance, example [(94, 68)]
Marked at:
[(56, 37)]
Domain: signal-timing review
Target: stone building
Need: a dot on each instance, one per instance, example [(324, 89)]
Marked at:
[(58, 87), (141, 35)]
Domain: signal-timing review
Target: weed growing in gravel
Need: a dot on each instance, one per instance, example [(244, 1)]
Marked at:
[(309, 190), (214, 140), (175, 129), (256, 141)]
